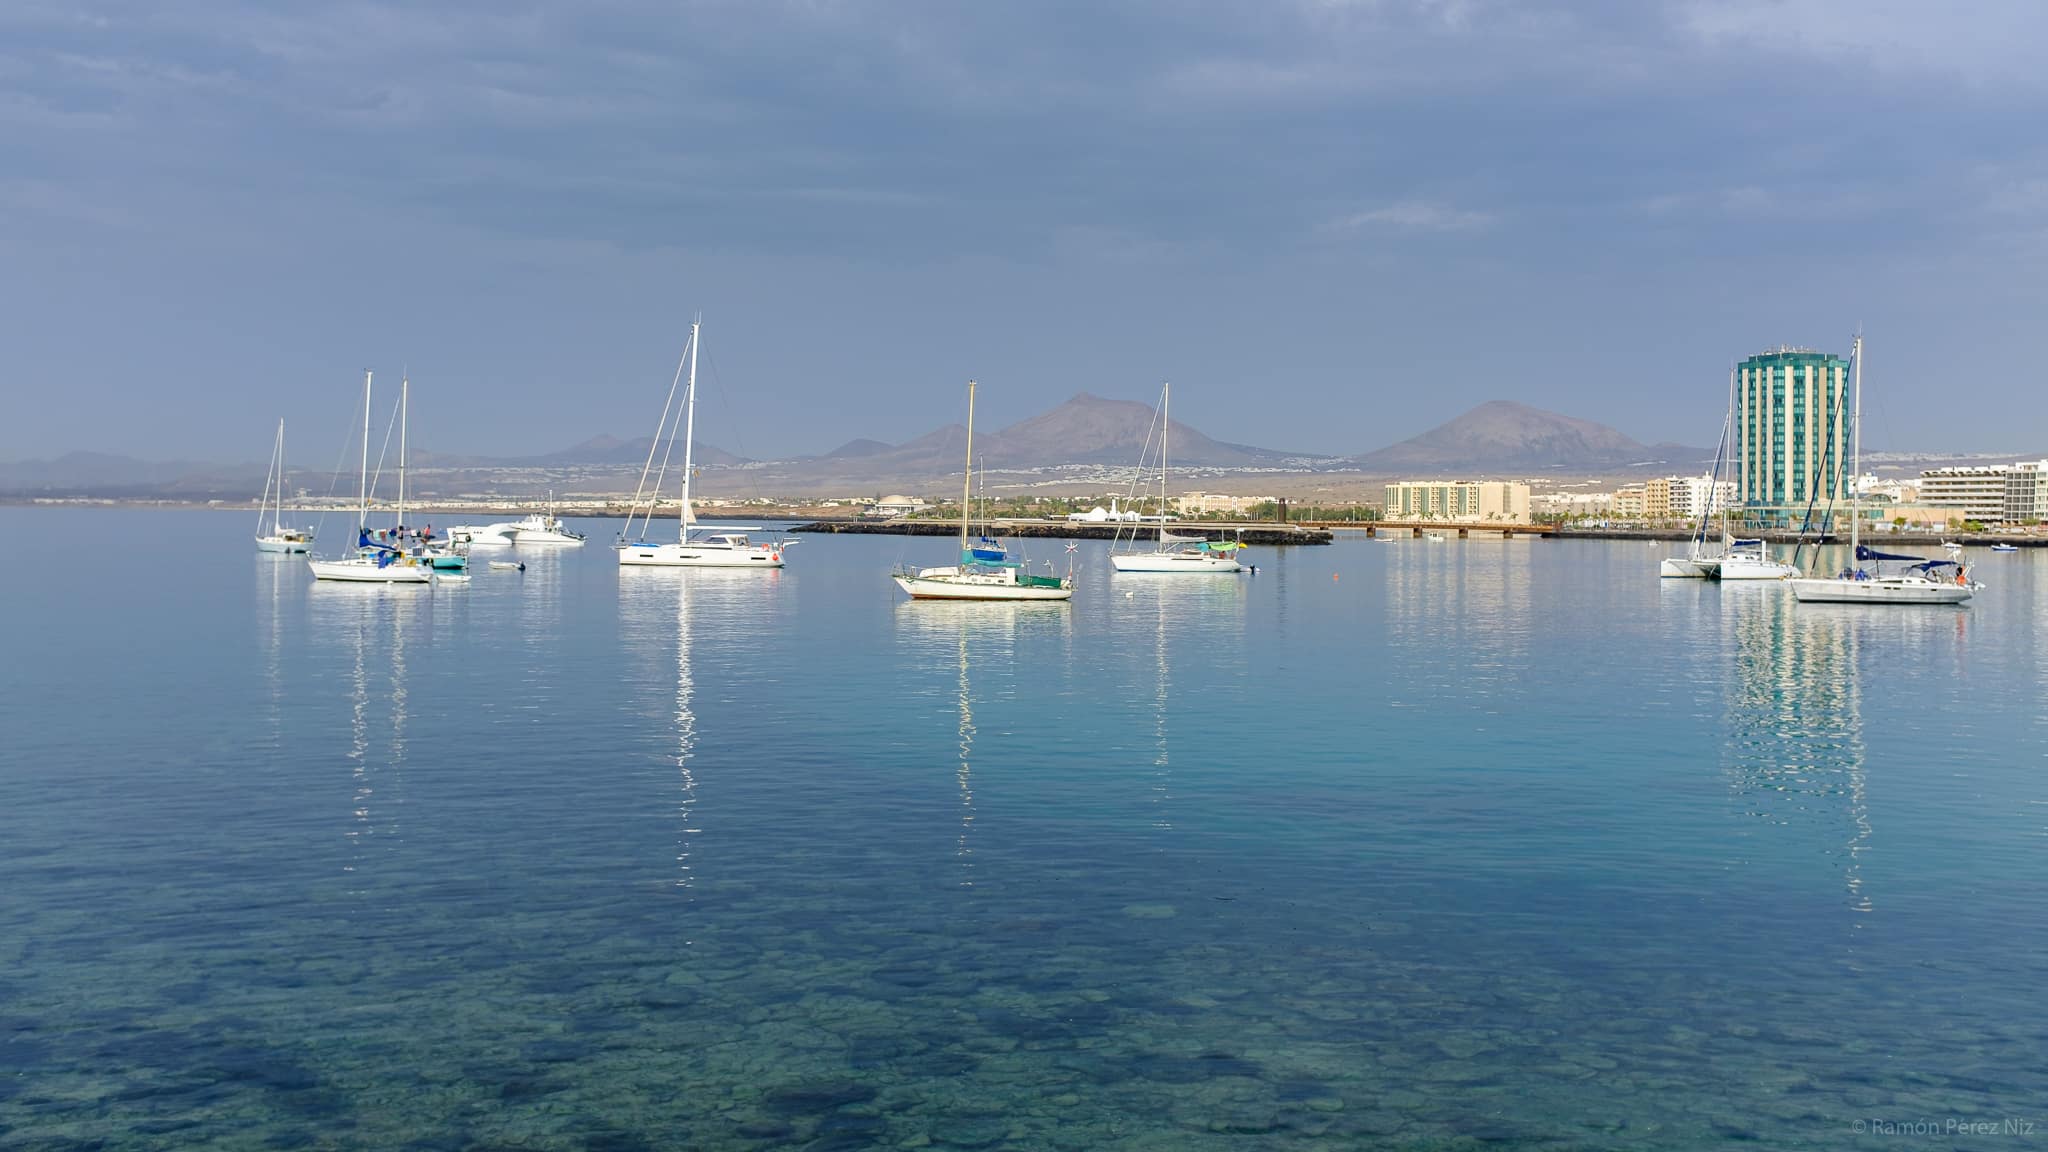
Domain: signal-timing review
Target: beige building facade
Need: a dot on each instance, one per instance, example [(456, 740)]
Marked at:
[(1459, 501)]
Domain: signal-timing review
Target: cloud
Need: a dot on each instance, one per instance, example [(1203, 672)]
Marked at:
[(1418, 216)]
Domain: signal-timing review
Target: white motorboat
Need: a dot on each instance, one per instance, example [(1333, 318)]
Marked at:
[(729, 548), (985, 571), (271, 533), (1170, 552), (373, 562), (482, 535), (1890, 578), (540, 528)]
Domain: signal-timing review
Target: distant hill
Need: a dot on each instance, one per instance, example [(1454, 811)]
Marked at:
[(1089, 429), (854, 449), (1502, 436), (78, 471), (610, 450)]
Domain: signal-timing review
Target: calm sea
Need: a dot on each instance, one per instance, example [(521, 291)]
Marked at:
[(1404, 845)]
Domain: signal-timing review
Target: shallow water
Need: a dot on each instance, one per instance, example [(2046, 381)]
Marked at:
[(1403, 844)]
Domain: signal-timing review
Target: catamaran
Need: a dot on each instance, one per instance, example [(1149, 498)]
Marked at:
[(374, 561), (728, 548), (986, 570), (275, 537), (1891, 578), (1170, 553)]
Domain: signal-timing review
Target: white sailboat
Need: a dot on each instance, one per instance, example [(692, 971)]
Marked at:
[(1698, 563), (985, 570), (1890, 579), (1171, 553), (271, 533), (372, 562), (449, 560), (727, 548)]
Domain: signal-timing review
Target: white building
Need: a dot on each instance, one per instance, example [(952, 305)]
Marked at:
[(1979, 492), (1461, 501), (2026, 493), (894, 507), (1552, 504)]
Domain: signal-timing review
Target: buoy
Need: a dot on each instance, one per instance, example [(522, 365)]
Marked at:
[(1333, 576)]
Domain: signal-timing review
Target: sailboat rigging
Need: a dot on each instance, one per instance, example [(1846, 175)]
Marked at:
[(1170, 552), (727, 548)]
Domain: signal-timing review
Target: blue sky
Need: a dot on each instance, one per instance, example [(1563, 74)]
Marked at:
[(1330, 224)]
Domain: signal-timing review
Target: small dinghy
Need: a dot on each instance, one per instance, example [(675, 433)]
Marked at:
[(508, 565)]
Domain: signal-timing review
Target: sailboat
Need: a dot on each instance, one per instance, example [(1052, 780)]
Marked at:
[(728, 548), (985, 570), (374, 561), (449, 561), (1891, 578), (1697, 563), (274, 536), (1171, 553)]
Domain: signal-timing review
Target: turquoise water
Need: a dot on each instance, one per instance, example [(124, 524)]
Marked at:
[(1407, 845)]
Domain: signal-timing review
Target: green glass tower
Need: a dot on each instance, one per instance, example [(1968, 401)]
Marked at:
[(1791, 434)]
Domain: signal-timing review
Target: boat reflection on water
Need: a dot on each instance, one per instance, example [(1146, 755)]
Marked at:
[(973, 639), (671, 619), (1796, 756), (374, 627), (1150, 613)]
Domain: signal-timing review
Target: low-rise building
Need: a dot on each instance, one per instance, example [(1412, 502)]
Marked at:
[(1459, 501), (1563, 504), (894, 507), (1212, 504), (1979, 492), (1629, 502)]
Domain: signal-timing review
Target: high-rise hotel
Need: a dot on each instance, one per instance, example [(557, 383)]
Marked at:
[(1791, 434)]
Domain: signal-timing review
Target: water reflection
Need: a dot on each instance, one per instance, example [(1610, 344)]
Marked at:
[(375, 627), (980, 643), (704, 612), (1459, 611), (1796, 756), (1149, 609)]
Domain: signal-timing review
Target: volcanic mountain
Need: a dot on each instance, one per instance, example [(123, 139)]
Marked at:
[(1505, 437)]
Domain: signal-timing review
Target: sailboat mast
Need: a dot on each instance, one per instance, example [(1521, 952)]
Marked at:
[(363, 482), (404, 417), (1165, 423), (279, 523), (967, 485), (1856, 449), (689, 429)]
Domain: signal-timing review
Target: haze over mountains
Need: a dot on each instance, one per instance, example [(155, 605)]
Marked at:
[(1083, 435)]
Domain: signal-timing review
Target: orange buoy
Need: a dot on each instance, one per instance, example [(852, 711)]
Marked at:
[(1333, 576)]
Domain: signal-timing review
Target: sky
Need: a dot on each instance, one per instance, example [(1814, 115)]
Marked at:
[(1330, 224)]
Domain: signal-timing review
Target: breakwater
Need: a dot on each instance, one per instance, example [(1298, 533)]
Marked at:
[(1263, 535)]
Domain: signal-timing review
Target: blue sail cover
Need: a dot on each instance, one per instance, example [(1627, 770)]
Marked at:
[(1865, 552)]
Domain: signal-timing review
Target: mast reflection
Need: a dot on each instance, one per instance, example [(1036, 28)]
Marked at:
[(706, 612), (1796, 755), (974, 638), (374, 625)]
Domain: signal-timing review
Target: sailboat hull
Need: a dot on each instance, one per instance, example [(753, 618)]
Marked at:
[(697, 556), (1884, 590), (365, 572), (955, 587), (1683, 568), (1190, 562), (1749, 568), (276, 544)]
